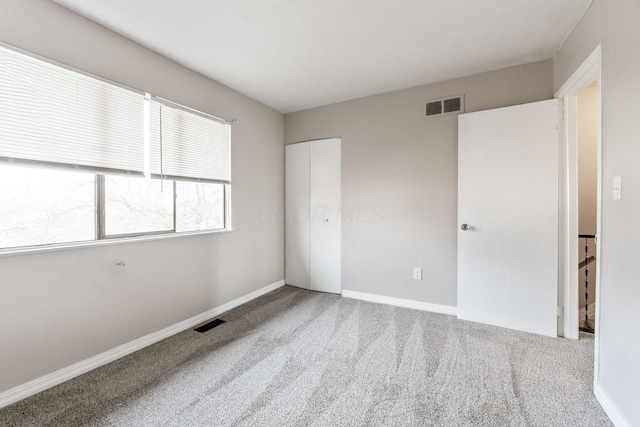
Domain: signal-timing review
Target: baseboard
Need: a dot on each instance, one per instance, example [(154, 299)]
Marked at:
[(610, 408), (40, 384), (407, 303)]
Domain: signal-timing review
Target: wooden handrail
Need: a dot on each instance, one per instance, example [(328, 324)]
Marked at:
[(586, 262)]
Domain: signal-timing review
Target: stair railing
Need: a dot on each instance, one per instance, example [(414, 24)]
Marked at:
[(585, 264)]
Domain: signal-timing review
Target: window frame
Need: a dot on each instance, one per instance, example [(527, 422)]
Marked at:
[(100, 195), (55, 247), (100, 238), (101, 215)]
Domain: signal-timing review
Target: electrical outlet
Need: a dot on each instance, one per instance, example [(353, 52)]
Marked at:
[(417, 274)]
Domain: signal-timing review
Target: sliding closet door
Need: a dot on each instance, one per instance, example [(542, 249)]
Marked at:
[(325, 253), (297, 198)]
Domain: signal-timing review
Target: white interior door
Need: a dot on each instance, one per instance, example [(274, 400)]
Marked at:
[(297, 200), (508, 196), (326, 242)]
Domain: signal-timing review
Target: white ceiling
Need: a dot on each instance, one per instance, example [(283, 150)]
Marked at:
[(297, 54)]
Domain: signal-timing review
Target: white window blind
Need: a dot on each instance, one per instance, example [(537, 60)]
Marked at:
[(186, 145), (54, 115)]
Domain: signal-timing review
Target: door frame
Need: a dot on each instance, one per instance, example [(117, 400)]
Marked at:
[(590, 70)]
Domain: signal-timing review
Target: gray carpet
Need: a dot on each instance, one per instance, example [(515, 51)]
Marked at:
[(298, 358)]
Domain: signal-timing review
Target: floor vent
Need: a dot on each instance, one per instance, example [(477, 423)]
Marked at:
[(208, 326), (444, 106)]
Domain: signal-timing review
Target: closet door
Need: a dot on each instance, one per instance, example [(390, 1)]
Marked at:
[(325, 228), (297, 241)]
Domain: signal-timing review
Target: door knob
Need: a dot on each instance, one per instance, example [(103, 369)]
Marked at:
[(464, 227)]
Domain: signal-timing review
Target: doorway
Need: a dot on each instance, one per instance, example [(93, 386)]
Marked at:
[(577, 219), (587, 134)]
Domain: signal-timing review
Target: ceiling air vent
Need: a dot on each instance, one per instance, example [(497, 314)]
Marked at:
[(444, 106)]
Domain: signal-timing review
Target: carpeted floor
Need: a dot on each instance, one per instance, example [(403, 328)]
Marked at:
[(297, 358)]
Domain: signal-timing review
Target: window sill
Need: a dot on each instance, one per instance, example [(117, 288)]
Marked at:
[(105, 242)]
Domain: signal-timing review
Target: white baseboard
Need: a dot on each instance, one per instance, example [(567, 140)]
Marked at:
[(407, 303), (610, 408), (40, 384)]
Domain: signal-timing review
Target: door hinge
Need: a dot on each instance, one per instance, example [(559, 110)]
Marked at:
[(560, 311)]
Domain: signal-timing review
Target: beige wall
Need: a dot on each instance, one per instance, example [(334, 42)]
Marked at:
[(399, 178), (615, 26), (587, 159), (62, 307)]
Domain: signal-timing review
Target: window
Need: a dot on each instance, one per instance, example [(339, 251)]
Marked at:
[(136, 206), (40, 206), (199, 206), (84, 159), (141, 206)]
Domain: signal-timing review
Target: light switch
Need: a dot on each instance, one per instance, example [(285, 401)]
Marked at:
[(617, 187)]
